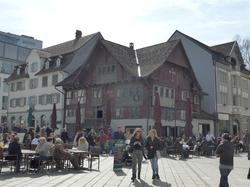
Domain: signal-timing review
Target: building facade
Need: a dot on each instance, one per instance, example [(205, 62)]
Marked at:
[(225, 82), (20, 40), (32, 84), (10, 56), (127, 79)]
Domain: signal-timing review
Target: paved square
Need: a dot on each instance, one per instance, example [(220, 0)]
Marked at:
[(198, 171)]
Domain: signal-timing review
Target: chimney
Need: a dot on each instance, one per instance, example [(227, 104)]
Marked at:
[(131, 45), (78, 34)]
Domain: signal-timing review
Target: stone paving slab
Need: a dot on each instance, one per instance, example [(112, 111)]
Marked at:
[(198, 171)]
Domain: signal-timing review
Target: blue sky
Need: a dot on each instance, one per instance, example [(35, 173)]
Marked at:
[(144, 22)]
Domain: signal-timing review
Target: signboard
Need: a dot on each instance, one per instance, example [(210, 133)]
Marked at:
[(223, 117), (118, 153)]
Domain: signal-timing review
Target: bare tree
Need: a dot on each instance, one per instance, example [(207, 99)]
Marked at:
[(244, 44)]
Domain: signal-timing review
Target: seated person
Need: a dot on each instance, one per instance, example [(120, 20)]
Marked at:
[(43, 149), (14, 152), (60, 154), (35, 140), (51, 146), (83, 144)]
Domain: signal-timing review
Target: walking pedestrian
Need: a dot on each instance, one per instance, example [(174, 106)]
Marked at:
[(137, 146), (152, 145), (226, 153)]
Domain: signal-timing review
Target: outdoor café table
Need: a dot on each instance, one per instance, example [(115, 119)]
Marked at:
[(26, 155), (78, 153)]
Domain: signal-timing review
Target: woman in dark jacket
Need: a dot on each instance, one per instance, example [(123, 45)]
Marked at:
[(152, 145), (137, 146)]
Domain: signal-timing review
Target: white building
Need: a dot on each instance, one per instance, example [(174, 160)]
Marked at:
[(33, 84), (222, 75)]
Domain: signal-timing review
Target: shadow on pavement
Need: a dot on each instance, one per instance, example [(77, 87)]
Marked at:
[(120, 173), (142, 183), (161, 183), (8, 175)]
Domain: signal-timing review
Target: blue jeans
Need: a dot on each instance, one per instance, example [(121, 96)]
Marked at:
[(154, 165), (224, 177)]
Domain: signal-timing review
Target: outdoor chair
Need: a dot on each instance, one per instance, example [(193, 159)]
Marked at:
[(10, 161), (194, 151), (93, 156)]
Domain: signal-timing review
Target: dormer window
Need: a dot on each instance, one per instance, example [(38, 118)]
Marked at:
[(47, 64), (26, 69), (58, 61), (18, 71)]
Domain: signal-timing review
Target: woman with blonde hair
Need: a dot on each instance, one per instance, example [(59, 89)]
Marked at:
[(83, 144), (137, 146), (152, 145)]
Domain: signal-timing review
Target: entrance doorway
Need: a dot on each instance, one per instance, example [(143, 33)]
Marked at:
[(235, 127), (204, 128)]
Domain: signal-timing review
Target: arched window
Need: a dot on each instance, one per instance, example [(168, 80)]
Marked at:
[(58, 61), (47, 64), (18, 71)]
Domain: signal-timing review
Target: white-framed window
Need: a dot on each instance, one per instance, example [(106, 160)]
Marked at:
[(118, 112), (34, 67), (12, 87), (166, 92), (47, 64), (20, 85), (223, 88), (33, 83), (156, 88), (58, 62), (223, 98), (32, 100), (223, 76), (22, 101), (49, 99), (43, 99), (97, 93), (161, 91), (184, 95), (13, 103), (18, 70), (45, 81), (55, 98), (5, 102), (244, 94), (196, 99), (118, 92), (54, 79), (183, 115), (26, 69)]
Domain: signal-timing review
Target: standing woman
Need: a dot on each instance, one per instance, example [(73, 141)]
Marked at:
[(152, 145), (137, 146)]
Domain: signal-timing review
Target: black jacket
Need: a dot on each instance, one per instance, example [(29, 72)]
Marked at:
[(14, 149), (226, 152), (136, 146), (152, 147)]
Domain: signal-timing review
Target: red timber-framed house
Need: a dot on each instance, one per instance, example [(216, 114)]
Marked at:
[(119, 82)]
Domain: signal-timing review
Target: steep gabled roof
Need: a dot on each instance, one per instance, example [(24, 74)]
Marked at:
[(225, 48), (152, 57), (15, 76), (202, 45), (65, 60), (69, 46), (124, 55)]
